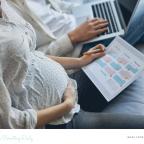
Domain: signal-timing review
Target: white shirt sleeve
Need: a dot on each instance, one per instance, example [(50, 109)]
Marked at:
[(63, 6), (13, 67), (11, 117), (59, 47)]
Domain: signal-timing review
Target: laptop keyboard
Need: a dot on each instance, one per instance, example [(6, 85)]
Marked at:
[(104, 10)]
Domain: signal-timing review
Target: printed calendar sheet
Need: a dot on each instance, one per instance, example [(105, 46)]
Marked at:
[(115, 71)]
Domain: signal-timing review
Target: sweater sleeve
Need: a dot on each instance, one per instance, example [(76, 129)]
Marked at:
[(12, 118), (13, 66), (59, 47)]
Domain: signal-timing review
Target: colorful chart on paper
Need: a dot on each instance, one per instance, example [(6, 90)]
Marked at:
[(117, 69)]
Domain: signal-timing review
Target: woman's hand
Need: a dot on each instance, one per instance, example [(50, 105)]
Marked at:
[(92, 54), (88, 30), (53, 113), (69, 97)]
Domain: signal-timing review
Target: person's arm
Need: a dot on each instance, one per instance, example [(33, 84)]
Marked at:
[(11, 117), (53, 113), (13, 55), (77, 63), (88, 30), (66, 43)]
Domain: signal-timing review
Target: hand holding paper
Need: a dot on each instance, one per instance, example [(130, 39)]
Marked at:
[(92, 54)]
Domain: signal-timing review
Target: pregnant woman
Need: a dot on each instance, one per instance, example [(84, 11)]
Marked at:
[(35, 90)]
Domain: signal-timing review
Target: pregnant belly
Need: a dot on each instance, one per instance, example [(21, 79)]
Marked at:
[(46, 82)]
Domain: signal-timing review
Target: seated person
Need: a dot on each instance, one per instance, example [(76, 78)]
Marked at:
[(55, 31), (35, 89)]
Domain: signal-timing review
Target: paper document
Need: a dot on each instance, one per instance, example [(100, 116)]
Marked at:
[(115, 71)]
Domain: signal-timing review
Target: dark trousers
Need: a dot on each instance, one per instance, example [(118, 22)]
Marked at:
[(89, 97), (90, 100)]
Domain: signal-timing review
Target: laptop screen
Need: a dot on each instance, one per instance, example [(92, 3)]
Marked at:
[(127, 8)]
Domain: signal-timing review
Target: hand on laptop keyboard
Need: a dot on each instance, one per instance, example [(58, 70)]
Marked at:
[(88, 30)]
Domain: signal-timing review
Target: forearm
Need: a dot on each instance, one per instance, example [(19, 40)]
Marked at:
[(53, 113), (67, 62)]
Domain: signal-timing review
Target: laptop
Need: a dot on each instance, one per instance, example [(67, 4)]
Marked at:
[(118, 13)]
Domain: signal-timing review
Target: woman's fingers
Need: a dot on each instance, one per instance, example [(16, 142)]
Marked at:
[(100, 31), (100, 46), (98, 23), (69, 84), (98, 55), (97, 49), (88, 30), (92, 52), (101, 25), (97, 20)]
